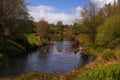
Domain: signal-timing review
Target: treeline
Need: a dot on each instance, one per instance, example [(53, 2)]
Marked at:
[(100, 27), (53, 32), (15, 23)]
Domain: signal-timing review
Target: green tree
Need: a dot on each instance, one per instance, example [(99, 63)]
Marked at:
[(14, 20), (109, 31), (11, 11), (90, 21), (43, 30)]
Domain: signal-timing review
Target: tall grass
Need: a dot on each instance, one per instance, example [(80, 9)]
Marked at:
[(111, 72)]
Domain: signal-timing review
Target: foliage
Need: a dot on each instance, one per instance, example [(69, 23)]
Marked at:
[(108, 55), (12, 13), (43, 30), (110, 72), (14, 24), (117, 54), (83, 39), (68, 33), (33, 39), (114, 44), (109, 32)]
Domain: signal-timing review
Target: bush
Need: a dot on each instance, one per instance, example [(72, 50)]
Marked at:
[(84, 40), (117, 53), (108, 55), (109, 33), (100, 49), (33, 39), (115, 43), (12, 48)]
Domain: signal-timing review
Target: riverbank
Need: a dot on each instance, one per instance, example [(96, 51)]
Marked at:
[(98, 62), (89, 71), (20, 46), (101, 55)]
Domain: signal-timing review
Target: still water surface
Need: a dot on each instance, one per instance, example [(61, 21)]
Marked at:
[(58, 58)]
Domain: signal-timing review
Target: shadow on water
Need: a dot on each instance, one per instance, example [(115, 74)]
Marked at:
[(58, 58)]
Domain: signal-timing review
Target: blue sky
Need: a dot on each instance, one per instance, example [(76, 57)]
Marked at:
[(59, 4), (59, 10)]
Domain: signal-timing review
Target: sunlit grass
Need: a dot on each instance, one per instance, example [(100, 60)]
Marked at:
[(110, 72), (33, 39)]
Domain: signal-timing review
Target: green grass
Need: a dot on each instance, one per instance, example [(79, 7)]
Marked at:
[(32, 76), (117, 54), (111, 72), (33, 39), (108, 55)]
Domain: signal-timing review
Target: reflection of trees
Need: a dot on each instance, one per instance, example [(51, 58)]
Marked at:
[(84, 59), (59, 46), (44, 51), (75, 47), (75, 50), (67, 47), (13, 67)]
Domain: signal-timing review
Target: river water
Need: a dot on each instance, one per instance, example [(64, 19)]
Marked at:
[(58, 58)]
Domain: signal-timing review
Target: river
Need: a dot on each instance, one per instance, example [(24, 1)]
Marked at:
[(58, 58)]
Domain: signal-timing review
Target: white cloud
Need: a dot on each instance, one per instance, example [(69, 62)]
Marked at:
[(48, 13), (101, 3), (78, 14)]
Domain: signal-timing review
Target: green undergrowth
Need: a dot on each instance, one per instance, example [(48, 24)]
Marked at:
[(33, 39), (32, 76), (12, 48), (111, 72), (107, 55)]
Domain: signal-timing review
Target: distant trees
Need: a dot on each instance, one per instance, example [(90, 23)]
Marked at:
[(43, 29), (68, 33), (54, 32)]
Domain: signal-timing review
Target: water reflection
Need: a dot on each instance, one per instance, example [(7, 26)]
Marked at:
[(60, 57)]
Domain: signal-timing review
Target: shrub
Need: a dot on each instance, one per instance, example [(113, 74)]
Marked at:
[(115, 43), (84, 40), (108, 32), (117, 53), (100, 49), (108, 55)]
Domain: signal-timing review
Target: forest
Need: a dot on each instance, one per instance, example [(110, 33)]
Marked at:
[(98, 33)]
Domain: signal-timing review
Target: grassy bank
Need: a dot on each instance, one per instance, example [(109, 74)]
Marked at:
[(105, 65), (111, 72), (33, 76), (19, 46), (92, 71)]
